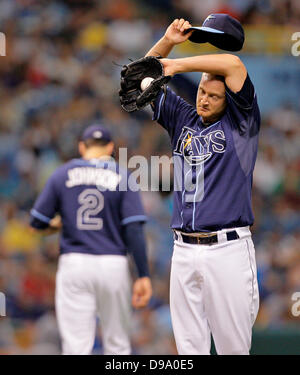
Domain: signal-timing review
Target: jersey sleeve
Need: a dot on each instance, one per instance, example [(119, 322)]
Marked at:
[(245, 97), (170, 111), (47, 203), (131, 209), (243, 107)]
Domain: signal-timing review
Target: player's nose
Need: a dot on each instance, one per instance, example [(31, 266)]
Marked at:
[(204, 100), (204, 103)]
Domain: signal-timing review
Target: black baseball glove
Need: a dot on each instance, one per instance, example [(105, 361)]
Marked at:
[(132, 97)]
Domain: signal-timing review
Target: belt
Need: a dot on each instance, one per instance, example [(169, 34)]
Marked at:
[(207, 240)]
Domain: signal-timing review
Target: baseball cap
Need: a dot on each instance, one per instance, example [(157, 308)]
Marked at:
[(220, 30), (96, 131)]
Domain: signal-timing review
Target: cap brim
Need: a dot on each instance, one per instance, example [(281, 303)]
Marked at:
[(202, 34), (215, 37)]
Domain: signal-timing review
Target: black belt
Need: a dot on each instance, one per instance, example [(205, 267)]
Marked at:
[(207, 240)]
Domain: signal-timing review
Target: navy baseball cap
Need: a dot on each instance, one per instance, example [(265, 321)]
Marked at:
[(221, 30), (96, 131)]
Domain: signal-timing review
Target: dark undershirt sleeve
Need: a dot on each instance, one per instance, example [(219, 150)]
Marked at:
[(134, 238), (38, 224)]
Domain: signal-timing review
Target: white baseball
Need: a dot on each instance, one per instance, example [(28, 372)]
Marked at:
[(146, 82)]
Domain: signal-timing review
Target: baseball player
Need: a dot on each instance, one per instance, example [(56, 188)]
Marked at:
[(213, 285), (100, 223)]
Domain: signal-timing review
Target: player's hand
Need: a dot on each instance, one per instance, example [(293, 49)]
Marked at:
[(142, 292), (56, 223), (169, 66), (176, 32)]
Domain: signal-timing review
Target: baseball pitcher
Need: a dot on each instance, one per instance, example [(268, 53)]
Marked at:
[(213, 286), (100, 223)]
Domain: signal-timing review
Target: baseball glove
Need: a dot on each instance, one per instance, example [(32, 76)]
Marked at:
[(132, 97)]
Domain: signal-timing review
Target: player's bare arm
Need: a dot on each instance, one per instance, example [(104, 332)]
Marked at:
[(227, 65), (175, 34)]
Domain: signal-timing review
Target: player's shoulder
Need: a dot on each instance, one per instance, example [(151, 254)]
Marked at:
[(108, 164), (65, 166), (173, 97), (169, 105), (245, 98), (62, 170)]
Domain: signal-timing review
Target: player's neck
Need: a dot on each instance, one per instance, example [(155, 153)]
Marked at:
[(208, 122), (211, 120), (95, 154)]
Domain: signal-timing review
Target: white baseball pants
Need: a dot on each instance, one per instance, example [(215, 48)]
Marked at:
[(89, 285), (214, 290)]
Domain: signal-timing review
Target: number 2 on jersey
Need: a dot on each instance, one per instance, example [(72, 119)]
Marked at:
[(91, 203)]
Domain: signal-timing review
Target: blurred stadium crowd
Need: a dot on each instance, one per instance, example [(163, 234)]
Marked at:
[(58, 77)]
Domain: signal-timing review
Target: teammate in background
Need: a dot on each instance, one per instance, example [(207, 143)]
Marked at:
[(213, 286), (99, 224)]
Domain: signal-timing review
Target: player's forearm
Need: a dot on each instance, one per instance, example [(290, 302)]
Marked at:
[(218, 64), (162, 48), (135, 241)]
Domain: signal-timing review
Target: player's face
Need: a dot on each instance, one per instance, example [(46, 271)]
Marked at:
[(211, 101)]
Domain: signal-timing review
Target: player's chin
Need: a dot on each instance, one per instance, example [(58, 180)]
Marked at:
[(204, 113)]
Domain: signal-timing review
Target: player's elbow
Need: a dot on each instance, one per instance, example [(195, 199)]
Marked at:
[(234, 63), (232, 60)]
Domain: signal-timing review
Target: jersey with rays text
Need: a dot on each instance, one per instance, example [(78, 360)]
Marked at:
[(213, 165)]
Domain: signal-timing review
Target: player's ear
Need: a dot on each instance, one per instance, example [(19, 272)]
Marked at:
[(110, 148), (81, 148)]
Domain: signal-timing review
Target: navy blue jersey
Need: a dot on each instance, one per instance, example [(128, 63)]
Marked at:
[(213, 165), (94, 201)]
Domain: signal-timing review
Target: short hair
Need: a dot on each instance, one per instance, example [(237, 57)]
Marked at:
[(216, 77), (92, 142)]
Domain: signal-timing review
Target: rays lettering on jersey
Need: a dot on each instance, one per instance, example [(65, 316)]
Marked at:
[(198, 148)]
